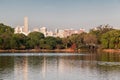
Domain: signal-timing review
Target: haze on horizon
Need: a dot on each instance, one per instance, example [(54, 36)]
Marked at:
[(61, 14)]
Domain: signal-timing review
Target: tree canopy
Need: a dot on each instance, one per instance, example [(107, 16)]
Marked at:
[(103, 36), (111, 39)]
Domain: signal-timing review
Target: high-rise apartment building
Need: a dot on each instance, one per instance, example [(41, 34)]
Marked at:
[(25, 29)]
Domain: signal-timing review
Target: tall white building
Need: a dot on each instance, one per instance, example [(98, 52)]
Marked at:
[(23, 29)]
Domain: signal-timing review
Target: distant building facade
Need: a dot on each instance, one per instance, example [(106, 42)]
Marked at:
[(57, 33)]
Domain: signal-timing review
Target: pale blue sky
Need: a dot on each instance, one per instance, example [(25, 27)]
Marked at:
[(61, 14)]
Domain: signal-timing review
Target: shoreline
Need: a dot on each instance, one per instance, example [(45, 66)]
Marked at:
[(111, 50), (55, 50), (36, 50)]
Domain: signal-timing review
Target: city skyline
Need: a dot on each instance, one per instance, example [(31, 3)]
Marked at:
[(56, 33), (61, 14)]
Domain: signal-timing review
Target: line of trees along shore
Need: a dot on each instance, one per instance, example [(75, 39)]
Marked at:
[(104, 37)]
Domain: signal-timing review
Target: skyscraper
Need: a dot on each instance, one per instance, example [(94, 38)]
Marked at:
[(25, 29)]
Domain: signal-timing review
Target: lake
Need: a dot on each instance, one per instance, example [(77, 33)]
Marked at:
[(60, 66)]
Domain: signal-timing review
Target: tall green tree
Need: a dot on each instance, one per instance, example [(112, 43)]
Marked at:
[(6, 38), (98, 31), (111, 39), (74, 41), (59, 43), (50, 42), (34, 39), (18, 41), (6, 29), (90, 40), (66, 42)]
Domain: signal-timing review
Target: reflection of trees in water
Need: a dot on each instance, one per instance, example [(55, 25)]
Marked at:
[(43, 65), (6, 66), (109, 57), (91, 60), (6, 62)]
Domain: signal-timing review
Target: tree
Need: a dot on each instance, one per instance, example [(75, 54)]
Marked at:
[(80, 41), (98, 31), (66, 42), (90, 41), (34, 39), (18, 41), (42, 42), (111, 39), (5, 29), (6, 38), (1, 42), (50, 42), (59, 43), (74, 40)]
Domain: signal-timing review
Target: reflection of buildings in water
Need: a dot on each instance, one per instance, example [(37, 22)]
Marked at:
[(56, 65), (16, 69), (21, 68), (44, 67), (25, 69), (61, 65), (65, 64)]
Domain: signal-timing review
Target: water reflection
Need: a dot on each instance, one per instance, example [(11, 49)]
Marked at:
[(57, 67), (44, 68), (21, 68)]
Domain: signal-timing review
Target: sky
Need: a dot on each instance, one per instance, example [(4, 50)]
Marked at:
[(61, 14)]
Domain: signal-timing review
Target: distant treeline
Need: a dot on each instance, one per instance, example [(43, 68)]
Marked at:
[(103, 36)]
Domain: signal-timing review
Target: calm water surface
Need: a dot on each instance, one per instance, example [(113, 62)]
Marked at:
[(60, 66)]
